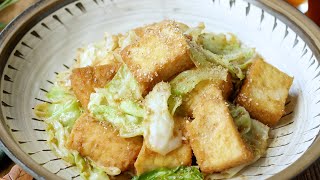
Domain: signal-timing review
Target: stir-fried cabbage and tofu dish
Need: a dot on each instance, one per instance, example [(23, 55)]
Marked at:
[(164, 101)]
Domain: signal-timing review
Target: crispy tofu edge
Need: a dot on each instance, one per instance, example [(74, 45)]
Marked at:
[(263, 115), (247, 154), (191, 99), (84, 80), (165, 71), (141, 168), (180, 127), (70, 144)]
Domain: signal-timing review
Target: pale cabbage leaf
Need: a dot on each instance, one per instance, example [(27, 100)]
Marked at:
[(60, 115), (120, 104), (254, 133), (159, 135)]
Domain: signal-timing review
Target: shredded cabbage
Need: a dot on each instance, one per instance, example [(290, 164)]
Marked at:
[(241, 118), (63, 79), (254, 133), (119, 103), (236, 62), (64, 107), (195, 32), (197, 56), (132, 108), (179, 173), (123, 86), (219, 43), (159, 135), (187, 80), (230, 54), (60, 116), (99, 53), (128, 125), (219, 49), (257, 137), (174, 102), (129, 38), (183, 27)]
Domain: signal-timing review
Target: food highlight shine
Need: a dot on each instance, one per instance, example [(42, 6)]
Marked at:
[(142, 105)]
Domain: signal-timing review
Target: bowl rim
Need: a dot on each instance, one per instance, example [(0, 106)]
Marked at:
[(13, 33)]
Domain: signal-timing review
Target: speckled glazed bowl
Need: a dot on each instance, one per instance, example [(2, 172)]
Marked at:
[(43, 40)]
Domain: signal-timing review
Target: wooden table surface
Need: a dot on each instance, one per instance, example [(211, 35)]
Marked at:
[(313, 172)]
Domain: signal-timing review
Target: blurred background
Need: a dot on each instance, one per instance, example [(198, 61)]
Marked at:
[(309, 7)]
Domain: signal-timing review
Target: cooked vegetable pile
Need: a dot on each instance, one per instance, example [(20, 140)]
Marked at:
[(164, 101)]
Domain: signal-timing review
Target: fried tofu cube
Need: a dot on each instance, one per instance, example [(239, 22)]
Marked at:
[(141, 31), (101, 143), (161, 53), (84, 80), (264, 92), (194, 97), (148, 160), (214, 138)]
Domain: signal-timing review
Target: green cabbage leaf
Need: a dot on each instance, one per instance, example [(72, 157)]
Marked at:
[(219, 49), (236, 62), (254, 133), (60, 115), (219, 43), (179, 173), (195, 32), (63, 107), (120, 103), (186, 81)]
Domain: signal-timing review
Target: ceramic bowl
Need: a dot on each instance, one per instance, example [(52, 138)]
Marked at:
[(44, 39)]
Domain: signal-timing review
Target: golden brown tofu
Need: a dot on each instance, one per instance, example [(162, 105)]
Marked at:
[(141, 31), (149, 160), (194, 97), (214, 138), (264, 92), (84, 80), (101, 143), (161, 53)]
